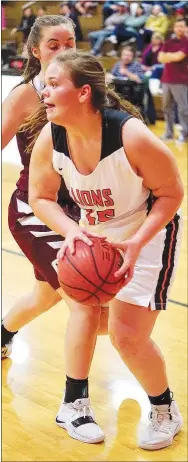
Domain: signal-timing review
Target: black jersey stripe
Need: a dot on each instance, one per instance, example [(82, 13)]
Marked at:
[(167, 263)]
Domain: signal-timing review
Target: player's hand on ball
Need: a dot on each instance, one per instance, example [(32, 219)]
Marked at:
[(76, 234), (131, 251)]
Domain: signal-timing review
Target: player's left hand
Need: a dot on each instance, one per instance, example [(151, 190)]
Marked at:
[(131, 250)]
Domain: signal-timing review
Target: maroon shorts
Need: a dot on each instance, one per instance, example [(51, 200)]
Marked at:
[(39, 244)]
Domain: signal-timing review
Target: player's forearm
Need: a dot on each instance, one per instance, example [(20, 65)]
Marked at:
[(50, 213), (160, 215)]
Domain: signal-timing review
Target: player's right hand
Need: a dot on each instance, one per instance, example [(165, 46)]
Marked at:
[(76, 234)]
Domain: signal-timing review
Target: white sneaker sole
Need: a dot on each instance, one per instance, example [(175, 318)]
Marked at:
[(70, 430), (162, 445)]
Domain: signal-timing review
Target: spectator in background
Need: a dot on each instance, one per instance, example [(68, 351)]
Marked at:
[(68, 10), (108, 9), (41, 11), (131, 26), (156, 22), (127, 68), (84, 8), (134, 5), (98, 37), (26, 23), (150, 54), (153, 71), (174, 56)]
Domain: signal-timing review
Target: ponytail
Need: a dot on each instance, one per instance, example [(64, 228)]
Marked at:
[(33, 126), (32, 69)]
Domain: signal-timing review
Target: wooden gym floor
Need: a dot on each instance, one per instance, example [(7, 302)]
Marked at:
[(33, 379)]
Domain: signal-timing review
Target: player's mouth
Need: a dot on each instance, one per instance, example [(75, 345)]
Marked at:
[(49, 106)]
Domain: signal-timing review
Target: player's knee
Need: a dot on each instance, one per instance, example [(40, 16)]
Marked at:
[(86, 314), (126, 338)]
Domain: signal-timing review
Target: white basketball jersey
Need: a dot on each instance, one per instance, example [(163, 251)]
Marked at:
[(112, 199)]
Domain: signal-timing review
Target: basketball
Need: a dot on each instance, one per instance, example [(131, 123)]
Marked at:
[(87, 276)]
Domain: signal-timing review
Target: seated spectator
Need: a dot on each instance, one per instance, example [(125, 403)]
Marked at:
[(98, 37), (174, 56), (26, 23), (156, 22), (134, 5), (41, 11), (127, 68), (109, 8), (164, 4), (67, 9), (84, 8), (131, 26)]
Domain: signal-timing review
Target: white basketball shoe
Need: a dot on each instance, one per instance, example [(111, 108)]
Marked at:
[(165, 422), (78, 419)]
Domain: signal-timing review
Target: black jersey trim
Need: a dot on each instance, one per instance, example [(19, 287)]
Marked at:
[(112, 122), (59, 138)]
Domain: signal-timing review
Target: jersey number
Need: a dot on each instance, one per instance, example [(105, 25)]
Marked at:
[(103, 215)]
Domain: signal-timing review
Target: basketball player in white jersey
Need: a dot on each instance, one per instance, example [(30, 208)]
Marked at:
[(104, 152)]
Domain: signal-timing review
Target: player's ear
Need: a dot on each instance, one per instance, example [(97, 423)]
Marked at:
[(85, 93), (36, 52)]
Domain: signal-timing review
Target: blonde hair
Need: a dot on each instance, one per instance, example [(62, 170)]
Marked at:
[(157, 35)]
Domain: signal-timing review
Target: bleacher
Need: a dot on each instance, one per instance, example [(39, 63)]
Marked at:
[(13, 11)]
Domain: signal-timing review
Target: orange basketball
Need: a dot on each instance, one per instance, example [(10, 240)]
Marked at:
[(88, 276)]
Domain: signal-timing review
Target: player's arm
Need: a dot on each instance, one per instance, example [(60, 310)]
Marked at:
[(44, 184), (18, 105), (154, 162)]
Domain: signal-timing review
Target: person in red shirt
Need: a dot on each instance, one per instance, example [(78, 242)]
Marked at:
[(174, 55)]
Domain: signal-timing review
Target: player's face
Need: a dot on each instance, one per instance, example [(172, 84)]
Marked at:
[(61, 97), (54, 39)]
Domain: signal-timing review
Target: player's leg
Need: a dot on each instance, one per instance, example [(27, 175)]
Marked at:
[(130, 327), (75, 414), (40, 299), (103, 324), (131, 322)]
